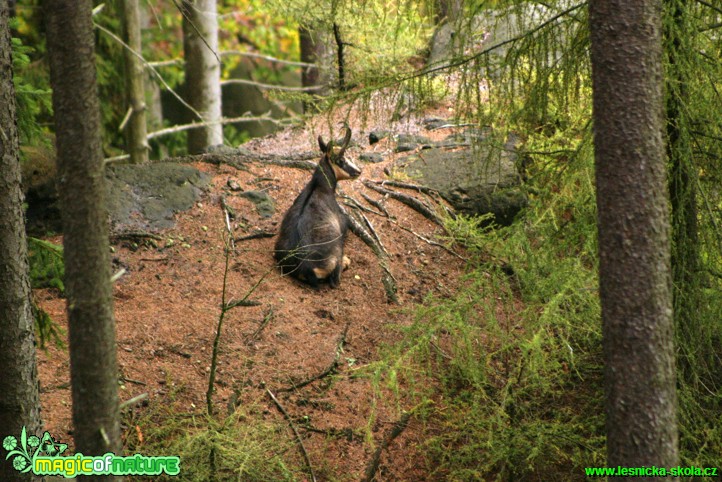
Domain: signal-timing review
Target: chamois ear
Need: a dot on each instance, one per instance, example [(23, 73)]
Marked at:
[(322, 145)]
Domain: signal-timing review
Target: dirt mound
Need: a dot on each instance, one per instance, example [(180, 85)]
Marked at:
[(167, 307)]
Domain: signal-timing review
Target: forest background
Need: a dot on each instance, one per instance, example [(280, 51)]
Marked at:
[(531, 402)]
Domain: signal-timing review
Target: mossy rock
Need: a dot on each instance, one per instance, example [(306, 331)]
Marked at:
[(147, 196), (477, 180)]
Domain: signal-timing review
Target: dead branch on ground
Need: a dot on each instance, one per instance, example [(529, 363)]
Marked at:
[(256, 235), (298, 436)]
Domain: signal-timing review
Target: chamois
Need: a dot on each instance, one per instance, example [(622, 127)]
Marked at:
[(313, 231)]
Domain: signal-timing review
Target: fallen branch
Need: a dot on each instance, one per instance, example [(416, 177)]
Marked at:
[(133, 236), (256, 235), (331, 370), (134, 400), (373, 465), (298, 436), (412, 202)]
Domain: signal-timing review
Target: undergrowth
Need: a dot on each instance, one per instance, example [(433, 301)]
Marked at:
[(245, 446), (512, 362)]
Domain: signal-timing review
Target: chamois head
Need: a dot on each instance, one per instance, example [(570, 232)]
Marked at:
[(334, 157)]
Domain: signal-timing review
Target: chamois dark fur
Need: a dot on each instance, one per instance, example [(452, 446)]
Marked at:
[(313, 231)]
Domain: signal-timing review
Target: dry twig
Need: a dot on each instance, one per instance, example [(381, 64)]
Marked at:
[(298, 436)]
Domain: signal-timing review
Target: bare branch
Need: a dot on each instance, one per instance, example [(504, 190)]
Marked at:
[(253, 55), (193, 125), (298, 436), (272, 87)]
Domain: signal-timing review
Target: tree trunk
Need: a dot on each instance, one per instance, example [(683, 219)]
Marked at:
[(313, 51), (135, 85), (634, 247), (82, 189), (447, 10), (19, 402), (203, 71)]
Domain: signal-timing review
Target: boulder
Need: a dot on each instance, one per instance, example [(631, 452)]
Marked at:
[(475, 180), (146, 196)]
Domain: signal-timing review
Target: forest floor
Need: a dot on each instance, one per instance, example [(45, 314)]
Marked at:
[(167, 307)]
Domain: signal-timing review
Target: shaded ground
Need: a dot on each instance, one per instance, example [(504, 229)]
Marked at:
[(167, 307)]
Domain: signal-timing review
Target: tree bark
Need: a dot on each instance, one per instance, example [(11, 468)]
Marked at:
[(313, 51), (135, 85), (447, 10), (82, 189), (634, 246), (202, 70), (19, 399)]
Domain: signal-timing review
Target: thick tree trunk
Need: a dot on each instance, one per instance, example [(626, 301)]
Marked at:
[(203, 71), (82, 189), (634, 246), (447, 10), (135, 85), (313, 51), (19, 402)]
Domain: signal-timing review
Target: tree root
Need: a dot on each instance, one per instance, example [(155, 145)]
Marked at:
[(239, 158), (387, 278), (416, 204), (377, 204)]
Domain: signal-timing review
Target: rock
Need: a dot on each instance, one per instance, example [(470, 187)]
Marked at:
[(475, 181), (233, 185), (431, 123), (147, 196), (265, 206), (371, 157), (376, 136), (466, 138), (220, 149), (405, 147), (412, 139), (407, 142)]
